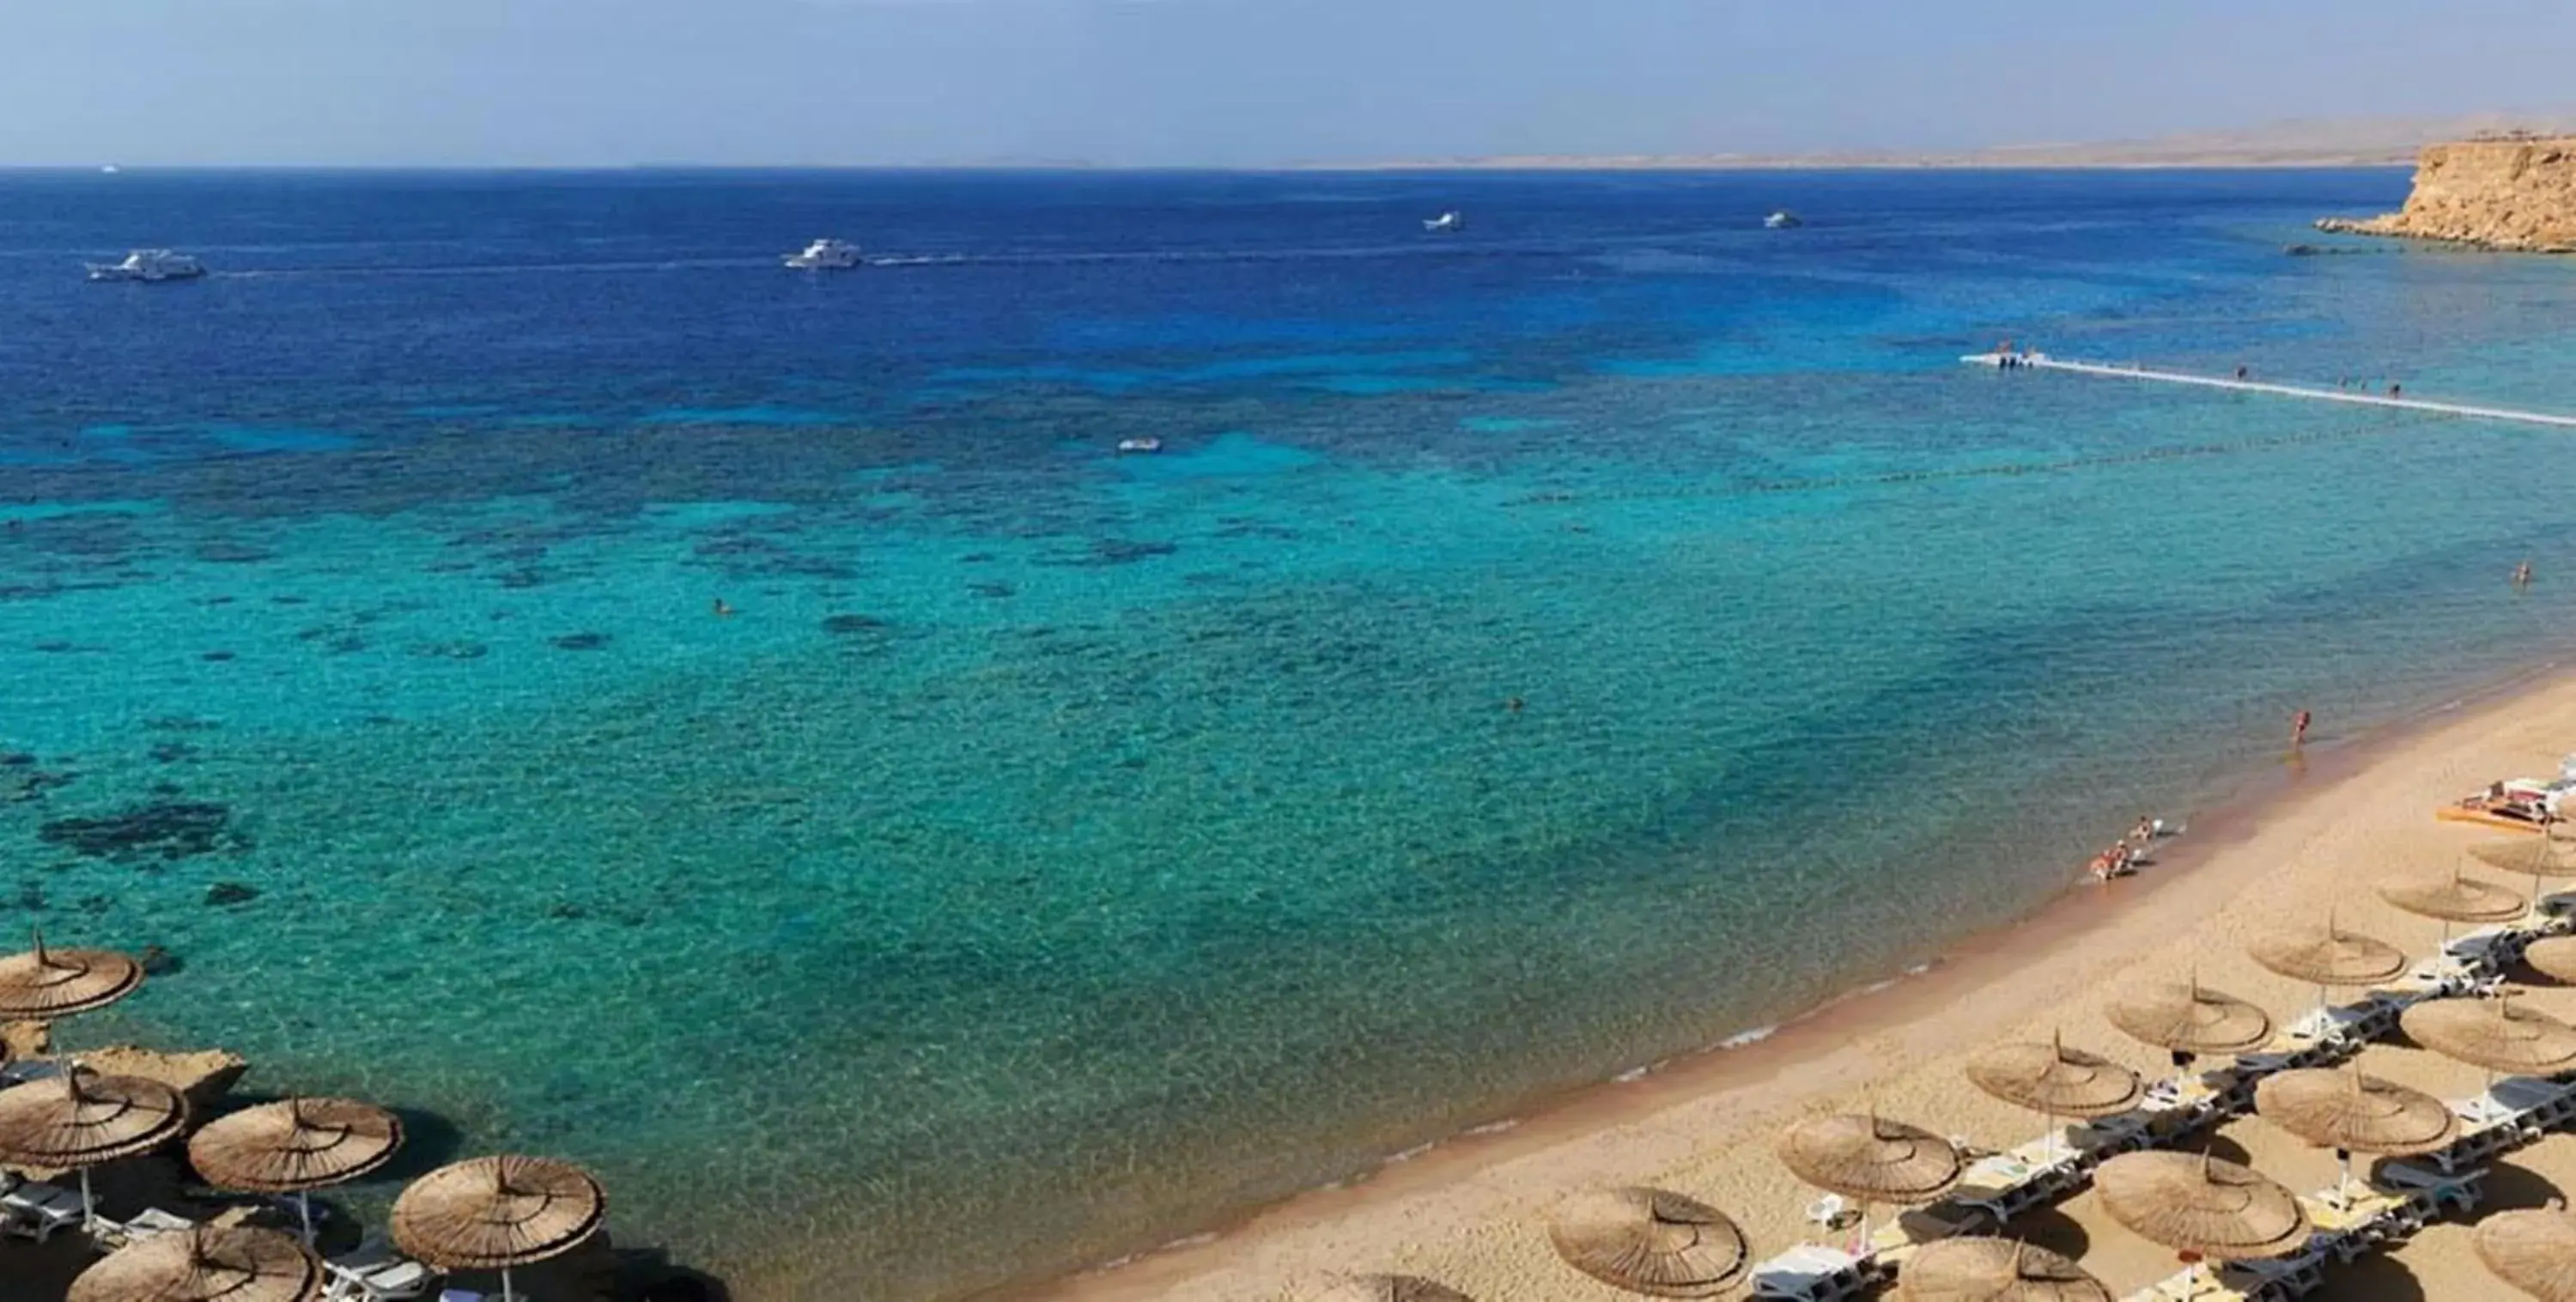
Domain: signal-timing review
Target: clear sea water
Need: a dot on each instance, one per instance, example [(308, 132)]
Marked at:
[(1055, 850)]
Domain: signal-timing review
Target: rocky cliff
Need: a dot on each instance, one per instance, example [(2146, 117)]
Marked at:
[(2500, 194)]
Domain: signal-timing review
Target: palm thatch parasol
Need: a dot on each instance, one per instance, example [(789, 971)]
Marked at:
[(1386, 1288), (2534, 1251), (295, 1147), (2553, 956), (2196, 1203), (2551, 855), (1995, 1270), (205, 1264), (80, 1119), (2332, 957), (498, 1212), (1651, 1241), (1871, 1159), (2349, 1112), (2055, 1081), (2453, 898), (2187, 1017), (43, 984), (2494, 1034), (2547, 855)]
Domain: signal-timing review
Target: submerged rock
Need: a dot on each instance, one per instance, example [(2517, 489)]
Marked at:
[(853, 625), (205, 1076), (157, 961), (580, 641), (225, 893), (161, 830)]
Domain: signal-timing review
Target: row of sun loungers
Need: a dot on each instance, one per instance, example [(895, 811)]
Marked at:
[(2348, 1224), (373, 1272), (1999, 1187)]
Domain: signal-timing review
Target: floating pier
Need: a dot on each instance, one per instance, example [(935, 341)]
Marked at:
[(2044, 362)]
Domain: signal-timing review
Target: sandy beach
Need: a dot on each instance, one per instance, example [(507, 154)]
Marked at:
[(1471, 1213)]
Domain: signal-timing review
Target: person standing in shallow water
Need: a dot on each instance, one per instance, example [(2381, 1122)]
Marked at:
[(2522, 576), (2299, 730)]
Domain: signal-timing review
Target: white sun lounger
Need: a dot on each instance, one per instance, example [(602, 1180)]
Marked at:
[(33, 1210), (1810, 1273), (374, 1272)]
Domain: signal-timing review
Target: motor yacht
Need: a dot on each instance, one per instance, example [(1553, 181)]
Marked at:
[(826, 255), (150, 265)]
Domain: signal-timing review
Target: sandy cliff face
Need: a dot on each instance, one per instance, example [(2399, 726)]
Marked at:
[(2499, 194)]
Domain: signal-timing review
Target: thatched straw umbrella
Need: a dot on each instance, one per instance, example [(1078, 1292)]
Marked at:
[(1871, 1159), (1995, 1270), (2553, 957), (2493, 1034), (1386, 1288), (44, 984), (205, 1264), (80, 1119), (2349, 1112), (2535, 1251), (2189, 1019), (493, 1213), (2454, 898), (2196, 1203), (2055, 1081), (2548, 855), (296, 1147), (2332, 957), (1651, 1241)]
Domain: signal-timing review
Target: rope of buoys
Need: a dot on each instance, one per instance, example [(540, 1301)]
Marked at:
[(2143, 456)]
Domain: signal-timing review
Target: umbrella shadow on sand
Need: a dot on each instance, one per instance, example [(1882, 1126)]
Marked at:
[(2053, 1229), (2378, 1277)]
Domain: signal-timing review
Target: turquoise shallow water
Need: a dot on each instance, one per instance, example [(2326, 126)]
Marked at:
[(1054, 850)]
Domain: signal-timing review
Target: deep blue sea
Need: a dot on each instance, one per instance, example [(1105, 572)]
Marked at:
[(1053, 850)]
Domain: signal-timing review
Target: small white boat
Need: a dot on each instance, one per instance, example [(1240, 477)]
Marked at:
[(1445, 223), (1127, 447), (149, 265), (1781, 221), (826, 255)]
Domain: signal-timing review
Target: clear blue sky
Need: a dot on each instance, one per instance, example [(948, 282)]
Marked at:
[(1235, 82)]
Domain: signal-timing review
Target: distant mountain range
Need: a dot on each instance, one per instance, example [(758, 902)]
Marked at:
[(2338, 142)]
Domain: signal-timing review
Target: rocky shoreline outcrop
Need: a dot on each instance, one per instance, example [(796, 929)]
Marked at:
[(2515, 194)]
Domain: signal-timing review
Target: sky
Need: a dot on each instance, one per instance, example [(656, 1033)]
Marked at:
[(1214, 82)]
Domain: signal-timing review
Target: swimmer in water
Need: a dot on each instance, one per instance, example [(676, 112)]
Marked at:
[(1513, 704), (723, 611), (2522, 575)]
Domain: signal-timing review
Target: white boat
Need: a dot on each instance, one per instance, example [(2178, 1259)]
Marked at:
[(1781, 221), (2004, 359), (1445, 223), (1134, 446), (152, 265), (826, 255)]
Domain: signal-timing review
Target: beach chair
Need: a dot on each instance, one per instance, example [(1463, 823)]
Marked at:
[(35, 1210), (374, 1272), (2429, 1192), (112, 1235), (1808, 1273), (2105, 1137), (1829, 1212), (28, 1069)]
